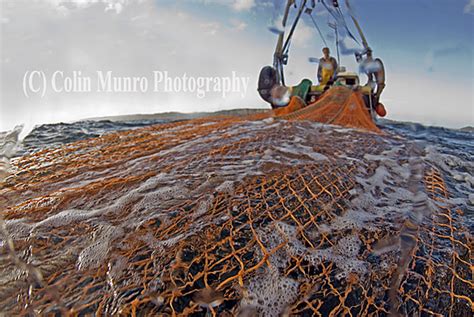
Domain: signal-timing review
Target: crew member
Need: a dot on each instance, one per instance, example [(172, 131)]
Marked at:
[(375, 72), (327, 68)]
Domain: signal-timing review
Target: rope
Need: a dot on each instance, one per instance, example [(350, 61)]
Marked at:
[(293, 27), (334, 27), (370, 106), (356, 23), (345, 25), (340, 17), (319, 30)]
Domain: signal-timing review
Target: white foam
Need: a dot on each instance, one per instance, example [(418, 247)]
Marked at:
[(300, 151), (203, 207), (270, 293), (344, 255), (446, 162), (17, 229), (95, 253), (226, 187), (353, 219), (66, 217)]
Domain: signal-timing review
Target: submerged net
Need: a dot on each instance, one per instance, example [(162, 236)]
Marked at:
[(233, 216)]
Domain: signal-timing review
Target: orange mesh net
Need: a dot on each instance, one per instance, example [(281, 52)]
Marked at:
[(338, 106), (229, 216)]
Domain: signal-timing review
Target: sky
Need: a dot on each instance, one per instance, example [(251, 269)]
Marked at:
[(427, 47)]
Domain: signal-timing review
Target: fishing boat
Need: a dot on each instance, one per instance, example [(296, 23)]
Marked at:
[(341, 101)]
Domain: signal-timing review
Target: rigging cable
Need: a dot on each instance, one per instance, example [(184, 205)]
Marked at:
[(356, 23), (334, 27), (340, 17), (293, 27), (319, 30)]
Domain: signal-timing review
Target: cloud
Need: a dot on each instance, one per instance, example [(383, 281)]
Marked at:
[(469, 8), (210, 27), (243, 5), (434, 56), (303, 35), (143, 37), (117, 7), (238, 25), (64, 6), (236, 5)]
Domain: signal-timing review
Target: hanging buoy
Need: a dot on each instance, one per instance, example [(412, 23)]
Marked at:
[(380, 109)]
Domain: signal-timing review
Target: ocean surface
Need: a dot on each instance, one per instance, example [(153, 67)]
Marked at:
[(453, 141), (51, 135), (453, 149), (213, 216)]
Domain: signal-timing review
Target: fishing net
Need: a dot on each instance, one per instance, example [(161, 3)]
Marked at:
[(233, 216), (338, 106)]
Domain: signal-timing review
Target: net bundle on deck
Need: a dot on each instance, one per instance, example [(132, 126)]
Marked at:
[(338, 106), (233, 216)]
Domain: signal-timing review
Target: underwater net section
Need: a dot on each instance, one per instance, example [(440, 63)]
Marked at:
[(231, 216), (443, 283)]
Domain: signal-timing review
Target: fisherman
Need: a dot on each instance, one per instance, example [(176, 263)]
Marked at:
[(327, 68), (375, 72)]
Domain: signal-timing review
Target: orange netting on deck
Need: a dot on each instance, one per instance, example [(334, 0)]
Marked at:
[(338, 106), (224, 216)]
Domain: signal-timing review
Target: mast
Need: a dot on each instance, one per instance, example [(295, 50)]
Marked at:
[(278, 55), (279, 46), (359, 29), (293, 27)]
